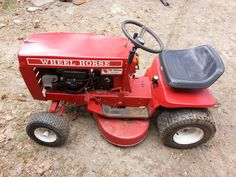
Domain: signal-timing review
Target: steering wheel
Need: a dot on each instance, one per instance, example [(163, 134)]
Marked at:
[(137, 39)]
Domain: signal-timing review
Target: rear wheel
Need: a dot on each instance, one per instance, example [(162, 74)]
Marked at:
[(185, 128), (48, 129)]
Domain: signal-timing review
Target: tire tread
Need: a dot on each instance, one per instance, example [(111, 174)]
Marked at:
[(172, 118), (49, 120)]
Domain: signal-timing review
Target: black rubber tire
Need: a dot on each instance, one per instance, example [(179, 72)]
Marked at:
[(170, 121), (51, 121)]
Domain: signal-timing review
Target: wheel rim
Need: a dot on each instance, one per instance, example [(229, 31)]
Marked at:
[(45, 134), (188, 135)]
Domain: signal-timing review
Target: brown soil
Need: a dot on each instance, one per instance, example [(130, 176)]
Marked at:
[(184, 24)]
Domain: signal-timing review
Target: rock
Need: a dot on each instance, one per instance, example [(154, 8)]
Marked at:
[(79, 2), (17, 21), (116, 9), (41, 2), (36, 24), (32, 9), (2, 25)]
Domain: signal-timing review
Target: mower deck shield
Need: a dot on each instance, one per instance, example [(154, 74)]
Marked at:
[(122, 132)]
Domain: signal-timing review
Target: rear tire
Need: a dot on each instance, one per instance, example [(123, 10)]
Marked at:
[(48, 129), (185, 128)]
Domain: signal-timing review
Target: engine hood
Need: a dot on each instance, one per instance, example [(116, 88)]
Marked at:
[(75, 45)]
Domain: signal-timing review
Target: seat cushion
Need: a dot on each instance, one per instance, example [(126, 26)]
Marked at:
[(198, 67)]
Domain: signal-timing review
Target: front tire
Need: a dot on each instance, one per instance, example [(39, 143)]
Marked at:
[(48, 129), (185, 128)]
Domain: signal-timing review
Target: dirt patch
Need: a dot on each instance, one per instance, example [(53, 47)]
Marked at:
[(184, 24)]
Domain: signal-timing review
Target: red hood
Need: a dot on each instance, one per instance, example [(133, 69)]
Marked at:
[(75, 45)]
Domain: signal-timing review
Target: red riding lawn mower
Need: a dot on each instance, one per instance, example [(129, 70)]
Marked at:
[(98, 72)]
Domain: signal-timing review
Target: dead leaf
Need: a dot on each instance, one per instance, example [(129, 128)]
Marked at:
[(20, 38), (27, 114), (30, 162), (79, 2), (2, 25), (2, 137), (2, 122), (1, 173), (21, 97), (40, 171), (3, 130), (9, 117), (10, 133), (4, 96), (43, 167)]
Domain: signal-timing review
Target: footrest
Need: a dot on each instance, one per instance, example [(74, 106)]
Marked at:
[(124, 113), (128, 112), (122, 132)]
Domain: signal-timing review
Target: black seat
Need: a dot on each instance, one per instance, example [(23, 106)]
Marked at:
[(198, 67)]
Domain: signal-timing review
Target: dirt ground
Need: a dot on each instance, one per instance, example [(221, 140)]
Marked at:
[(185, 24)]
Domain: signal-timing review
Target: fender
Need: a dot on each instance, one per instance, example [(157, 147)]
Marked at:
[(165, 96)]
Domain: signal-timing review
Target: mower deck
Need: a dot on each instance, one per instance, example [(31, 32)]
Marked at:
[(122, 132)]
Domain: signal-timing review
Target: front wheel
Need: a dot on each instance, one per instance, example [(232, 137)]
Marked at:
[(48, 129), (185, 128)]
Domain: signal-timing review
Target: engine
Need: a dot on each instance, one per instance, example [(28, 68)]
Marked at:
[(75, 81)]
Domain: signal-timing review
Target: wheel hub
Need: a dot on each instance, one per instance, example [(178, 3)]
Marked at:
[(45, 134), (188, 135)]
